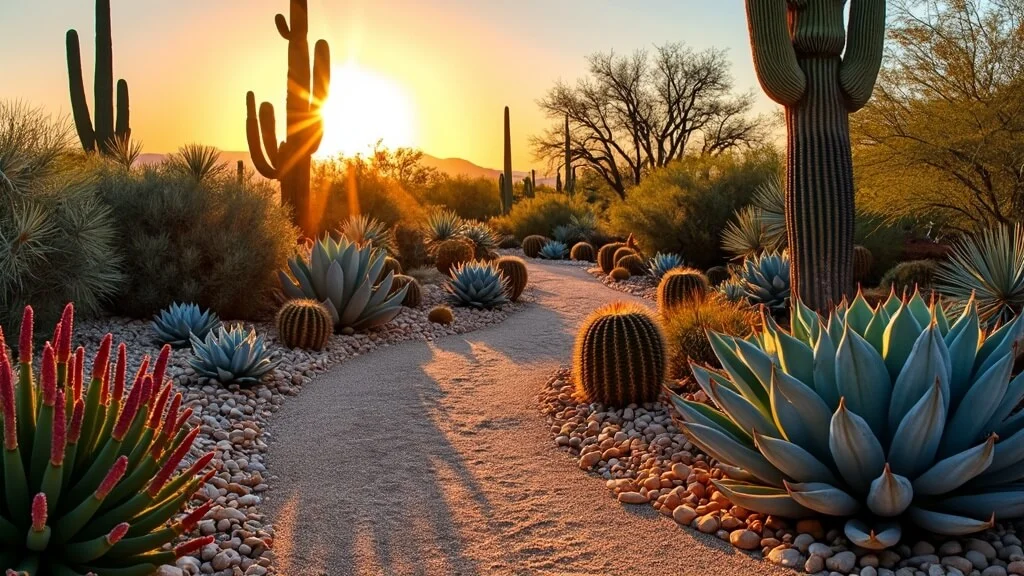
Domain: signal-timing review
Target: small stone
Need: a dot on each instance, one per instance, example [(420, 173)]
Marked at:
[(166, 570), (819, 549), (950, 548), (869, 571), (684, 514), (681, 471), (869, 560), (633, 498), (707, 524), (787, 557), (842, 562), (802, 542), (983, 547), (814, 564), (1016, 567), (922, 548), (978, 559), (745, 539), (588, 460), (936, 570), (994, 571), (959, 562), (812, 527)]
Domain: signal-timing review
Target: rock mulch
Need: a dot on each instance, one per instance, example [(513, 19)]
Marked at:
[(645, 460), (641, 286), (234, 421)]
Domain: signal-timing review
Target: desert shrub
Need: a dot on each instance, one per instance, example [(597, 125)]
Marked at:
[(686, 330), (540, 215), (684, 206), (906, 275), (885, 241), (346, 187), (57, 240), (218, 243), (470, 198), (411, 248)]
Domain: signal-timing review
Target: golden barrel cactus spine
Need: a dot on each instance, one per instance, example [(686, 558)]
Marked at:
[(304, 324), (606, 256), (533, 244), (413, 295), (441, 315), (678, 287), (514, 271), (451, 253), (632, 262)]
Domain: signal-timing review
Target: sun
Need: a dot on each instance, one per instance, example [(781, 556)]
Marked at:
[(364, 107)]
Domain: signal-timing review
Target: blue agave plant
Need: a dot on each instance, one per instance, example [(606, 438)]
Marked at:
[(877, 416), (231, 356), (662, 263), (554, 250), (177, 324), (478, 284), (766, 280), (733, 290)]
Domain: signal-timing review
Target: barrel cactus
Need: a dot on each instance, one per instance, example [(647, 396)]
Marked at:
[(862, 261), (766, 280), (514, 271), (634, 263), (533, 244), (231, 356), (451, 253), (441, 315), (554, 250), (89, 465), (680, 286), (619, 274), (391, 266), (413, 291), (619, 356), (717, 275), (478, 285), (176, 324), (878, 416), (582, 252), (661, 263), (363, 229), (304, 324), (606, 256), (342, 275), (622, 253)]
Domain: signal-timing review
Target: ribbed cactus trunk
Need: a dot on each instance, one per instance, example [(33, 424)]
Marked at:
[(798, 48), (570, 172), (506, 188)]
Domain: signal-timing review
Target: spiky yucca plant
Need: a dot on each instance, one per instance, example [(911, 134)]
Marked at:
[(879, 416), (199, 161), (483, 238), (478, 285), (176, 324), (441, 225), (232, 356), (584, 225), (89, 483), (990, 266), (661, 264), (766, 280), (363, 229), (770, 201), (746, 236), (554, 250)]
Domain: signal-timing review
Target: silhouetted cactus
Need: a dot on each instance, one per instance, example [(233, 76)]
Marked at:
[(514, 271), (718, 274), (414, 294), (678, 287), (619, 274), (441, 315), (101, 134), (570, 171), (304, 324), (289, 161), (451, 253), (619, 357), (506, 179), (530, 184), (606, 256), (582, 251), (862, 261), (806, 62), (533, 244)]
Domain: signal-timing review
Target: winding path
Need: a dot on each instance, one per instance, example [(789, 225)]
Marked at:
[(431, 458)]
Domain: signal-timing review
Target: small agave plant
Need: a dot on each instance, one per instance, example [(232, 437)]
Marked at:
[(442, 225), (733, 290), (880, 416), (766, 280), (478, 285), (232, 356), (661, 263), (363, 229), (177, 324), (554, 250), (482, 236)]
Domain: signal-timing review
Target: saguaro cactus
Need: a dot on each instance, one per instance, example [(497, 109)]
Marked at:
[(798, 48), (506, 182), (289, 162), (570, 172), (98, 135)]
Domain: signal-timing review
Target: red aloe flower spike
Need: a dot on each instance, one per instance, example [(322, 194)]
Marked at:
[(117, 533), (158, 481), (79, 373), (114, 476), (49, 377), (25, 342), (161, 364), (7, 401), (39, 512), (157, 412), (206, 477), (63, 335), (119, 372), (77, 415), (147, 390), (199, 465), (192, 546), (181, 421), (171, 418), (128, 412), (59, 438), (142, 371), (105, 387), (3, 341), (101, 363), (168, 428), (189, 522)]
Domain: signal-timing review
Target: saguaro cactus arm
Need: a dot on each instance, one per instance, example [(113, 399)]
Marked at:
[(864, 47), (775, 60), (252, 134), (123, 129), (79, 104), (321, 85)]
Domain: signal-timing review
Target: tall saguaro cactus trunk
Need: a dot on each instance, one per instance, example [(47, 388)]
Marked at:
[(506, 182), (289, 161), (798, 48), (570, 171), (98, 135)]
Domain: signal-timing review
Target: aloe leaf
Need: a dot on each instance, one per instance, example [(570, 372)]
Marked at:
[(953, 472), (862, 378), (917, 438), (901, 334), (886, 536), (966, 427), (890, 494), (722, 447), (925, 366), (948, 524), (762, 499), (825, 370), (857, 452), (802, 416), (823, 498)]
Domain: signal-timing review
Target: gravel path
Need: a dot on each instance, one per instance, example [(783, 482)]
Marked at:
[(432, 458)]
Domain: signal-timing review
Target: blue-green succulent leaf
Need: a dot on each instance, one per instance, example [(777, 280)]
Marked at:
[(862, 378), (967, 426), (917, 438), (794, 461), (900, 336), (859, 315), (884, 536), (742, 377), (926, 365), (746, 416), (825, 370), (762, 499), (723, 447), (698, 413), (947, 524), (801, 415), (890, 494), (857, 452), (823, 498), (953, 472), (796, 358)]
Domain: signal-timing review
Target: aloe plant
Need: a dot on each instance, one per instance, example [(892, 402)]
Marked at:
[(880, 416), (232, 356), (990, 266)]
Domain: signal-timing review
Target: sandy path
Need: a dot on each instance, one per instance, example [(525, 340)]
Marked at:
[(432, 459)]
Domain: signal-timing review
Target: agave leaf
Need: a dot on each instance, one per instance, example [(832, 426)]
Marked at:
[(886, 536), (357, 303), (997, 344), (796, 358), (859, 314), (775, 501), (698, 413), (857, 452), (823, 498), (1007, 453), (722, 447), (760, 363), (741, 375), (703, 375), (955, 471), (948, 524), (861, 378), (893, 302), (890, 494), (963, 340), (802, 416), (334, 283), (917, 438), (926, 365), (734, 473), (966, 426), (825, 369), (900, 337), (875, 332), (1011, 399), (377, 318), (794, 461), (1005, 502), (747, 416), (805, 322), (919, 308)]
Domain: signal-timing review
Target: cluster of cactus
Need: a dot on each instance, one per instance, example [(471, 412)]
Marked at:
[(678, 287), (177, 324), (554, 250), (413, 292), (862, 261), (483, 238), (232, 356), (342, 275), (304, 324), (103, 135), (766, 280), (363, 229), (441, 315), (533, 244), (606, 256), (875, 415), (89, 483), (505, 180), (478, 285), (619, 274), (440, 226), (661, 263), (633, 262), (451, 253), (619, 356), (582, 252), (514, 271)]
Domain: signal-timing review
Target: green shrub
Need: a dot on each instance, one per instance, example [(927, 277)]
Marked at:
[(686, 330), (884, 240), (470, 198), (217, 243), (343, 187), (906, 275), (684, 206), (57, 240), (540, 215)]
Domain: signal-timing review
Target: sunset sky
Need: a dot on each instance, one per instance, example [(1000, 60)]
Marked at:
[(434, 74)]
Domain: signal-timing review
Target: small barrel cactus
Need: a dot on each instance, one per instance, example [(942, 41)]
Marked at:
[(619, 274), (451, 253), (554, 250), (717, 275), (478, 285), (413, 295), (176, 325), (391, 265), (483, 238), (514, 271), (906, 276), (678, 287), (634, 263), (862, 261), (619, 357), (532, 245), (606, 256), (441, 315), (622, 253), (232, 356), (304, 324), (582, 252)]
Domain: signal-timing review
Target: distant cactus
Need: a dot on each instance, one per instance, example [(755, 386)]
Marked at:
[(634, 263), (289, 161), (514, 271), (506, 179), (532, 245), (304, 324), (606, 256), (717, 275), (530, 185), (570, 171), (413, 294), (451, 253), (101, 134), (582, 251), (619, 274), (558, 181), (678, 287), (441, 315), (862, 261), (619, 357)]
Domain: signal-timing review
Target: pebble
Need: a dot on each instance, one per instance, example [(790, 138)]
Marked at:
[(787, 557), (842, 562), (745, 539)]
